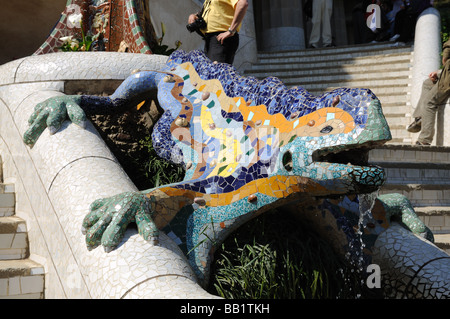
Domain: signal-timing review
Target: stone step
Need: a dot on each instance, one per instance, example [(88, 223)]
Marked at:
[(317, 69), (393, 92), (438, 221), (7, 188), (397, 109), (323, 83), (420, 194), (13, 238), (410, 154), (443, 242), (414, 173), (336, 78), (437, 218), (420, 173), (21, 279), (7, 201), (342, 52), (400, 136), (353, 63), (397, 121)]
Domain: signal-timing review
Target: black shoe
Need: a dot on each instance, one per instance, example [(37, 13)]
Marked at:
[(415, 126)]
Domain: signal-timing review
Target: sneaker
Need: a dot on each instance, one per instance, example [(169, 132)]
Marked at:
[(422, 143), (415, 126), (394, 38)]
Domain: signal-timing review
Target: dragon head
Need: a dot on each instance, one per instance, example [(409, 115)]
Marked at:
[(338, 135)]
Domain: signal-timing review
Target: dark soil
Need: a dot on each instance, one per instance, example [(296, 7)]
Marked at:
[(123, 132)]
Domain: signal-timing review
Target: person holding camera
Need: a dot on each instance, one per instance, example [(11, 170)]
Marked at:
[(219, 23)]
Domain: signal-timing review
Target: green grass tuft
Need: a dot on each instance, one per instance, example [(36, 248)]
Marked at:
[(276, 256)]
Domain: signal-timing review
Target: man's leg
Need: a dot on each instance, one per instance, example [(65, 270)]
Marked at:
[(327, 37), (416, 125), (316, 23), (434, 98)]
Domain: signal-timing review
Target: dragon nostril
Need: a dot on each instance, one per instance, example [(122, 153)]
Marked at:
[(287, 161), (326, 129)]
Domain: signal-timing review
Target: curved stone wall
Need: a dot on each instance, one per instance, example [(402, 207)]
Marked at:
[(62, 174)]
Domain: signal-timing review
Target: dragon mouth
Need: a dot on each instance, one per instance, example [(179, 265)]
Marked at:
[(353, 164), (356, 156)]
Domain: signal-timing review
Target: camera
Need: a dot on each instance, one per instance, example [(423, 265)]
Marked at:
[(197, 25)]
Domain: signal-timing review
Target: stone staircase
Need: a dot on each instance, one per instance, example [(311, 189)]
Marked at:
[(20, 277), (420, 173), (385, 68)]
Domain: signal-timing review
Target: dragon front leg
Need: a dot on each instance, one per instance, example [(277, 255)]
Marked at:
[(399, 207), (54, 111), (109, 218)]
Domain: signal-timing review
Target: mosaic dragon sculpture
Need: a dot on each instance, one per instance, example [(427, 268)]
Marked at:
[(247, 146)]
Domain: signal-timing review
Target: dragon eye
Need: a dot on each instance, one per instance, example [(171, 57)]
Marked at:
[(326, 129)]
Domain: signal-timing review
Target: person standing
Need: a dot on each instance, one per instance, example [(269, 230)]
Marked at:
[(223, 21), (435, 91), (321, 21)]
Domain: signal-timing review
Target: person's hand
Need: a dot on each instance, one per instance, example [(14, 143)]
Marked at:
[(222, 36), (433, 76), (192, 18)]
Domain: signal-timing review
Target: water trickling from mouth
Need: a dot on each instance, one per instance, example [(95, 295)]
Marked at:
[(366, 203), (356, 246)]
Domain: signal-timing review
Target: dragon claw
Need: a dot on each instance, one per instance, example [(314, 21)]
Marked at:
[(109, 217)]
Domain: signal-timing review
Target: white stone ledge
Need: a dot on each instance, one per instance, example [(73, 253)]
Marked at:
[(64, 66)]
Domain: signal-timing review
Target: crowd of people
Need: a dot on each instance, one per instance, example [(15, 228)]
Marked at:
[(373, 20), (395, 21)]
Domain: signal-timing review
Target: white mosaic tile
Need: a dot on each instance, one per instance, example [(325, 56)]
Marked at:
[(411, 266), (8, 72), (85, 65), (13, 95), (166, 287)]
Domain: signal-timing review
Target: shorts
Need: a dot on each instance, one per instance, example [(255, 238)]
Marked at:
[(216, 51)]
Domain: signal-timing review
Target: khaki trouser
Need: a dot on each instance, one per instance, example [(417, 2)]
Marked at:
[(322, 10), (430, 99)]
